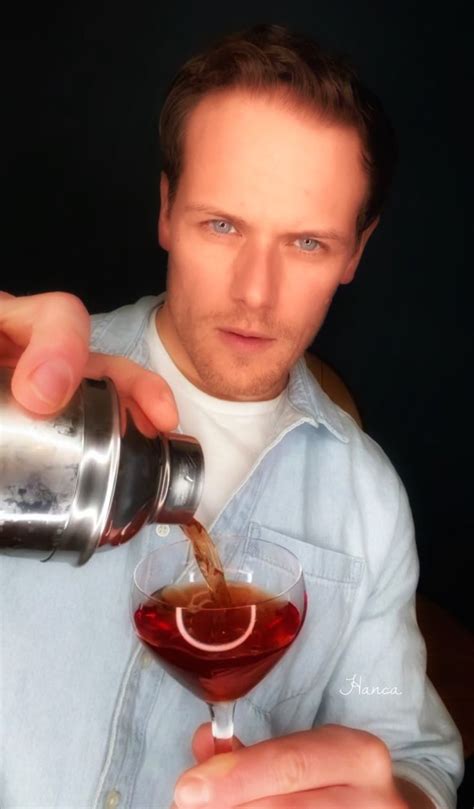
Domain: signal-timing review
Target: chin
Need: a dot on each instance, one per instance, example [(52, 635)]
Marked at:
[(241, 385)]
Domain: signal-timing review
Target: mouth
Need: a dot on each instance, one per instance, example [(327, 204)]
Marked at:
[(245, 340), (241, 333)]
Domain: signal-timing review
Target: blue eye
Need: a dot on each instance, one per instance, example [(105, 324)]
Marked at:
[(217, 224), (309, 245)]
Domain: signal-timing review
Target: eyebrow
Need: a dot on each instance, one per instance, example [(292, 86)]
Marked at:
[(330, 235)]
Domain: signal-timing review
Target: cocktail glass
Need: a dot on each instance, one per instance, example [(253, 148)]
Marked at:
[(219, 653)]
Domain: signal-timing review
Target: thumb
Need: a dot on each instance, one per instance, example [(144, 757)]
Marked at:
[(203, 743), (47, 338)]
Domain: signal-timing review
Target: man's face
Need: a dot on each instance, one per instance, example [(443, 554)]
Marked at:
[(261, 233)]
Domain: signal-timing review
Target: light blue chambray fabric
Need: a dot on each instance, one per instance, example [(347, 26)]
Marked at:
[(87, 721)]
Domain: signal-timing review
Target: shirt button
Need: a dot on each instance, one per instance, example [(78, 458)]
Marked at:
[(162, 530), (146, 660), (112, 799)]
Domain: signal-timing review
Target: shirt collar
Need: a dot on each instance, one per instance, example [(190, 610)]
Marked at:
[(307, 397)]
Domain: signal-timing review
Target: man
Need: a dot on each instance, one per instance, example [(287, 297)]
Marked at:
[(276, 166)]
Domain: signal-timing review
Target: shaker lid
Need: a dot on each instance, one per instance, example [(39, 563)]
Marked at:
[(182, 479)]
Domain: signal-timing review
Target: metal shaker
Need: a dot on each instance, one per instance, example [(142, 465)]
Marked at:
[(88, 478)]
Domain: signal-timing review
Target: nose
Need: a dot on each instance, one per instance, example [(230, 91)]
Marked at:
[(255, 278)]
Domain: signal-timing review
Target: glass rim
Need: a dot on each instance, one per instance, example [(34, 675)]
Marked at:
[(298, 576)]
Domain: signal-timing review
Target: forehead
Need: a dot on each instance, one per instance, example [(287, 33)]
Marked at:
[(256, 155)]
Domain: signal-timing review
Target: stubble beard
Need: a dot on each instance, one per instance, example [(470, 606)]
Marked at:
[(237, 377)]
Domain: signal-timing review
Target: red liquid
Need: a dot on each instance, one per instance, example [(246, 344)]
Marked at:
[(218, 676), (210, 565)]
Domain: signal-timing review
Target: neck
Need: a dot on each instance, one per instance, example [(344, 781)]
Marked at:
[(169, 338)]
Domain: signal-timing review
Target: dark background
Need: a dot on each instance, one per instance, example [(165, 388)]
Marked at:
[(83, 88)]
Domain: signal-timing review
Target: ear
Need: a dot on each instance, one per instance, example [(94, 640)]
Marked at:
[(163, 219), (354, 261)]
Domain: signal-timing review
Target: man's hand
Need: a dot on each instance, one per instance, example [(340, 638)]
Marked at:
[(332, 767), (46, 339)]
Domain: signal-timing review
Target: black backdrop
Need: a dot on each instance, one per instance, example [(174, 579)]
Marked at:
[(83, 87)]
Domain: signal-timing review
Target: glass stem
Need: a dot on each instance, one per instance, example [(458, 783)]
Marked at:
[(222, 716)]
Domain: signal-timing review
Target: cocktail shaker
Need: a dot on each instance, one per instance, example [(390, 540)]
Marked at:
[(90, 476)]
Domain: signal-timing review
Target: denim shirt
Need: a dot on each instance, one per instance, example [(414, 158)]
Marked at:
[(89, 721)]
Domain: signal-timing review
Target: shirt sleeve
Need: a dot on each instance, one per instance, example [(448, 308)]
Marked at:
[(380, 683)]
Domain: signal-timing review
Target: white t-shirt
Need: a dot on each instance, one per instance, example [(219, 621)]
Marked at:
[(232, 434)]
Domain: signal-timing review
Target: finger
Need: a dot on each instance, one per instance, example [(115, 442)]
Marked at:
[(52, 330), (321, 758), (340, 797), (147, 389), (203, 743), (299, 800), (9, 352)]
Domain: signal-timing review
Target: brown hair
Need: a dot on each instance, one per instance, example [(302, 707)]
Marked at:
[(272, 58)]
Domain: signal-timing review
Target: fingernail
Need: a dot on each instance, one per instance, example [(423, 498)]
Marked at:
[(52, 381), (192, 793)]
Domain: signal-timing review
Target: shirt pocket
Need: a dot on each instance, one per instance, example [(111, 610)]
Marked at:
[(332, 581)]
